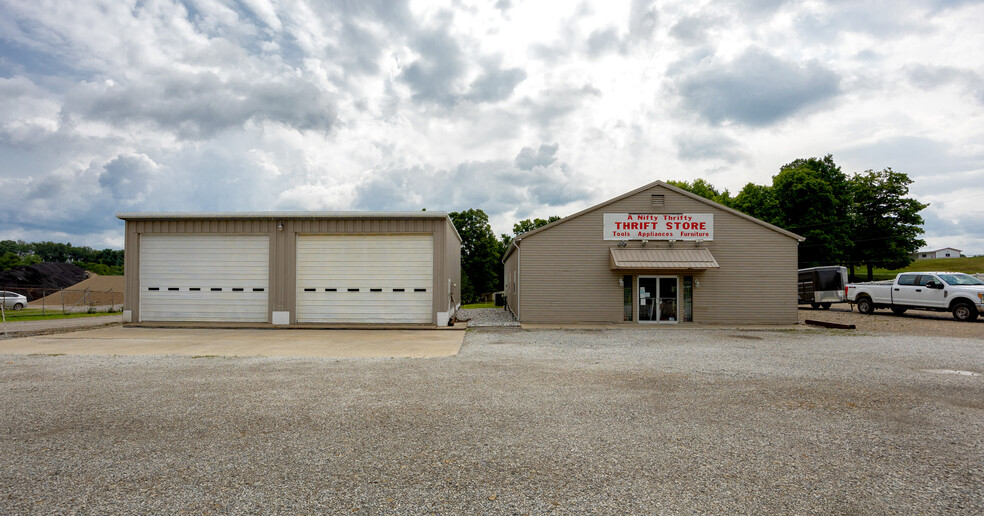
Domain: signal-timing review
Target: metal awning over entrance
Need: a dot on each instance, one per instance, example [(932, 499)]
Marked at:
[(662, 259)]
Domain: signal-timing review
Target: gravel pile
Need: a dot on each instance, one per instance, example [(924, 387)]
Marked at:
[(521, 422), (487, 317)]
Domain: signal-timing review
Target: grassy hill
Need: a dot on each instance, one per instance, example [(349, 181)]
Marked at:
[(969, 265)]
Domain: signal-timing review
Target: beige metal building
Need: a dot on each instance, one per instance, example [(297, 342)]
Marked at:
[(290, 268), (657, 254)]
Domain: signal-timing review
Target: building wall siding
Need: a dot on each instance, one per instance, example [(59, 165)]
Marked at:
[(283, 249), (565, 275)]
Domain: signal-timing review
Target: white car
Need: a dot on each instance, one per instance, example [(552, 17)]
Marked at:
[(12, 300)]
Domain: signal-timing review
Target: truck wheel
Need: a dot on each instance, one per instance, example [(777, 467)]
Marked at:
[(898, 310), (815, 305), (964, 312), (865, 306), (825, 306)]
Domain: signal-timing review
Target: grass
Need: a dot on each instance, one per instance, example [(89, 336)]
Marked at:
[(970, 265), (490, 304), (34, 314)]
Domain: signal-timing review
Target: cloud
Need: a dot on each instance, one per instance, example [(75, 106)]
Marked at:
[(755, 89), (433, 76), (554, 104), (643, 20), (929, 77), (701, 146), (528, 158), (199, 105), (128, 177), (495, 84), (496, 186)]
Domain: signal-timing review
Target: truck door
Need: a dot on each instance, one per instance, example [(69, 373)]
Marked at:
[(911, 290), (930, 297)]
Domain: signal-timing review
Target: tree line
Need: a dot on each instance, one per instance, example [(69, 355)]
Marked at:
[(15, 253), (866, 219)]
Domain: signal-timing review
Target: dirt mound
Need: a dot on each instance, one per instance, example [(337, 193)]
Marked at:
[(33, 280), (95, 291)]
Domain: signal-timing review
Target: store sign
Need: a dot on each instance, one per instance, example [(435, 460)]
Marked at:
[(659, 226)]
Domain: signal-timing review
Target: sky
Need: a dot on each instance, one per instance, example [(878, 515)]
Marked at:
[(521, 108)]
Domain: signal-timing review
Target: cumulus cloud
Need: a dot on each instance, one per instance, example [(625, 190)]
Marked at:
[(128, 177), (756, 88), (200, 105), (495, 84), (702, 146), (528, 158), (534, 180)]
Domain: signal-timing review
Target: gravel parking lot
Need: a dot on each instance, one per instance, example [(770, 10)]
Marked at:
[(912, 322), (520, 422)]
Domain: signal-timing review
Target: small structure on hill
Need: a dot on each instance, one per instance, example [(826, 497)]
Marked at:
[(946, 252)]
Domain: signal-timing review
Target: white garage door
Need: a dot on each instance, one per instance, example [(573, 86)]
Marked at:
[(365, 278), (204, 278)]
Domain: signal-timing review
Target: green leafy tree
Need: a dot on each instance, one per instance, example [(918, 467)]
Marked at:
[(704, 189), (481, 270), (9, 260), (530, 224), (813, 199), (886, 223), (759, 202)]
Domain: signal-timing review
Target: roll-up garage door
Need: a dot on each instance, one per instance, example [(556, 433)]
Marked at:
[(204, 278), (365, 278)]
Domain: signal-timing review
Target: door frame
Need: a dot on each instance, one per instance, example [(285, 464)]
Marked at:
[(679, 289)]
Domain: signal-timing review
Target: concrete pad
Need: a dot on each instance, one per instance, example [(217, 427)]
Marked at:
[(240, 342)]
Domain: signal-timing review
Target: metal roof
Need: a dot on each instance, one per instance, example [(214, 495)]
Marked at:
[(690, 259), (285, 215)]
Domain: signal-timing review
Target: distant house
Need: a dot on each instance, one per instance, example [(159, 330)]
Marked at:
[(946, 252)]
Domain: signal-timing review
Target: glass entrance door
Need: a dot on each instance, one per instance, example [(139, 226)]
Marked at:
[(658, 299)]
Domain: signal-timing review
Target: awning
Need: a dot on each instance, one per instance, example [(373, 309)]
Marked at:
[(650, 259)]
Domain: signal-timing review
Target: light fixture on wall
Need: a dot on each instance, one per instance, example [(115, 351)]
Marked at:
[(696, 283), (672, 242), (644, 242), (623, 243), (280, 226), (621, 282), (698, 243)]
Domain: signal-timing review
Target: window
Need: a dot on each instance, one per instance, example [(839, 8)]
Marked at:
[(627, 298), (907, 279)]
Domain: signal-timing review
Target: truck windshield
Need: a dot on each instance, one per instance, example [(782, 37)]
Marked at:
[(960, 279)]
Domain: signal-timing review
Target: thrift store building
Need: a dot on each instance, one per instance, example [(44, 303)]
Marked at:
[(657, 254)]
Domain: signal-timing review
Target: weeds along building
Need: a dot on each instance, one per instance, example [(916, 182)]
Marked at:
[(657, 254), (292, 268)]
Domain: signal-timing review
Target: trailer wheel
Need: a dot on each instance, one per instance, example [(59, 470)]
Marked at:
[(815, 305), (865, 305), (898, 310), (963, 311), (825, 306)]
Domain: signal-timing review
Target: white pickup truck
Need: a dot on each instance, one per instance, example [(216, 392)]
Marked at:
[(961, 294)]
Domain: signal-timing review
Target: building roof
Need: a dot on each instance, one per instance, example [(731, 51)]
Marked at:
[(941, 249), (283, 215), (515, 242), (662, 259)]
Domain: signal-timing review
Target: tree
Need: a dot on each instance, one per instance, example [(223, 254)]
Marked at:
[(813, 199), (886, 223), (704, 189), (758, 201), (529, 225), (481, 269)]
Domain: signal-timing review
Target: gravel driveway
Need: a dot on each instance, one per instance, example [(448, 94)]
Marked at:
[(521, 422)]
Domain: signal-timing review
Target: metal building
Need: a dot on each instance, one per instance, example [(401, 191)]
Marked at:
[(657, 254), (292, 268)]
